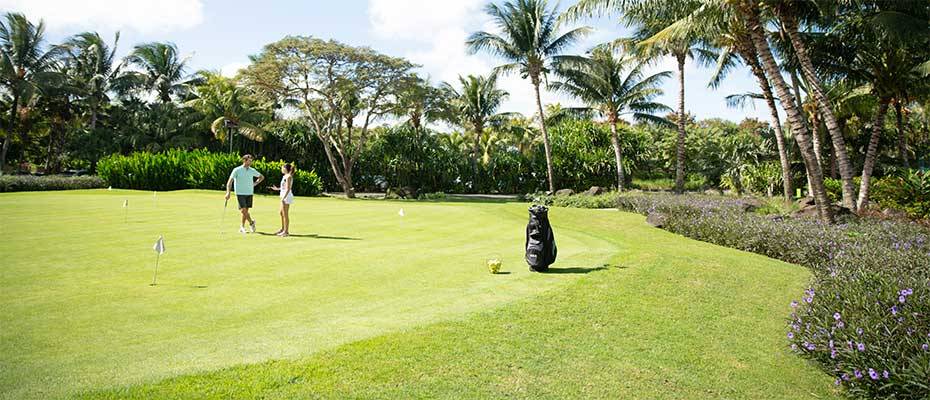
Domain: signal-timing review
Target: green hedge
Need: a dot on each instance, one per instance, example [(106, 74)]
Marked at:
[(29, 183), (197, 169)]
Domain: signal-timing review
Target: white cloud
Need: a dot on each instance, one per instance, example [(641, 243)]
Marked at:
[(144, 16), (436, 32), (230, 70)]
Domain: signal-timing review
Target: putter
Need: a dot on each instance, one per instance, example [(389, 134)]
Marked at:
[(223, 218)]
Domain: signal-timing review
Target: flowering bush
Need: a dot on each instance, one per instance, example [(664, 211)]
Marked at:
[(23, 183), (866, 317)]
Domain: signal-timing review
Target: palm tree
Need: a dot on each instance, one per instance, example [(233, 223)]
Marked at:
[(474, 107), (707, 18), (93, 71), (227, 109), (789, 11), (649, 17), (613, 87), (883, 48), (163, 72), (530, 43), (25, 68)]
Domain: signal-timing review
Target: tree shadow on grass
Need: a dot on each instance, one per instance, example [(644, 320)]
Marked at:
[(312, 236)]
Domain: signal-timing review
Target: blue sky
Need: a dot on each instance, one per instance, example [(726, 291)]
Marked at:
[(219, 35)]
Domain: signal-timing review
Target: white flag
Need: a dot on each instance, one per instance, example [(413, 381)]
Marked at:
[(126, 203), (109, 187), (401, 212), (159, 246)]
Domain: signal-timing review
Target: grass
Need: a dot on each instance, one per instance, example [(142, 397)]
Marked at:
[(379, 306)]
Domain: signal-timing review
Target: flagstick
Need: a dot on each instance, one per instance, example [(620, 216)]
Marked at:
[(126, 212), (157, 256)]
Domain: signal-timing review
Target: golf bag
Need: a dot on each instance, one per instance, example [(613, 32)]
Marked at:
[(540, 242)]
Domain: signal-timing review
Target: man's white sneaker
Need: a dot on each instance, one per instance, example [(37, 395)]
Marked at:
[(252, 226), (242, 229)]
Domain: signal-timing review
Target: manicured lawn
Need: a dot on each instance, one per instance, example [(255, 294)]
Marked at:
[(369, 304)]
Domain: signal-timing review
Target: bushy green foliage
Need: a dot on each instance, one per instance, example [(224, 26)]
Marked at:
[(908, 191), (604, 200), (30, 183), (693, 183), (866, 317), (197, 169)]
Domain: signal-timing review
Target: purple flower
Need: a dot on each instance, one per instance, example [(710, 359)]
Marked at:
[(840, 324), (894, 310), (925, 347), (873, 374), (831, 343), (885, 374), (809, 346), (837, 382), (794, 347), (790, 335), (808, 300), (857, 373), (860, 346), (902, 299), (844, 377), (832, 353), (836, 316), (859, 331), (794, 304)]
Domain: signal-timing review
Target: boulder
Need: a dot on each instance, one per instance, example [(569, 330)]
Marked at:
[(405, 192), (594, 191), (656, 219), (892, 213), (564, 192), (806, 201), (750, 204)]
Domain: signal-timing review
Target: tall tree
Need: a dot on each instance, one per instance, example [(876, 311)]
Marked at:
[(648, 18), (613, 87), (228, 109), (474, 107), (735, 38), (336, 87), (93, 72), (25, 68), (788, 12), (530, 42), (163, 71)]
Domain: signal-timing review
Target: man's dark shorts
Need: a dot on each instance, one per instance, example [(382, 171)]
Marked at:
[(245, 201)]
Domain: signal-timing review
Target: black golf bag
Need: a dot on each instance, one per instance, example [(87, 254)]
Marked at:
[(540, 242)]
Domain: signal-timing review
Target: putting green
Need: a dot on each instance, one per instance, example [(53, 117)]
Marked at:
[(78, 312)]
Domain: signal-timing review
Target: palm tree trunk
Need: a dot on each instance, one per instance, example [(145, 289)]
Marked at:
[(872, 151), (752, 59), (802, 135), (11, 127), (902, 134), (826, 111), (546, 146), (618, 152), (474, 158), (680, 166)]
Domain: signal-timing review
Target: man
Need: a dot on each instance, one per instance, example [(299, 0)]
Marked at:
[(243, 177)]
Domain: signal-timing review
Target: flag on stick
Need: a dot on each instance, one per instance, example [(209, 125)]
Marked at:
[(401, 212), (125, 211), (159, 248)]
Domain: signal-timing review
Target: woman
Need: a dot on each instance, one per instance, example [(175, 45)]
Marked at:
[(287, 198)]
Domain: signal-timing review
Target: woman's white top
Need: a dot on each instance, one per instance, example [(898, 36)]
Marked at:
[(286, 195)]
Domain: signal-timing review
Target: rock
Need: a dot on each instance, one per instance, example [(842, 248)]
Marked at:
[(892, 213), (839, 212), (391, 194), (749, 205), (806, 201), (564, 192), (656, 219), (405, 192), (594, 191)]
